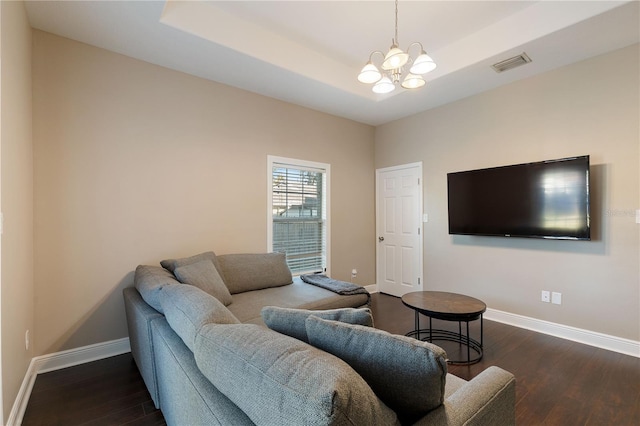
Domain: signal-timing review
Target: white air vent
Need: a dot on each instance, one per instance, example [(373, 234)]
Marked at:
[(510, 63)]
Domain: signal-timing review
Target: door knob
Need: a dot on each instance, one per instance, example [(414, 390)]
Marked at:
[(381, 239)]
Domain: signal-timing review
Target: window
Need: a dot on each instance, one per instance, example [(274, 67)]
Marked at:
[(298, 223)]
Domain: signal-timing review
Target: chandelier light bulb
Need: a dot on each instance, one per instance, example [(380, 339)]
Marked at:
[(369, 74), (423, 64), (385, 85), (413, 81), (395, 58)]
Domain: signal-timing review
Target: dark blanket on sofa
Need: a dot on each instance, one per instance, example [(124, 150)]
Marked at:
[(340, 287)]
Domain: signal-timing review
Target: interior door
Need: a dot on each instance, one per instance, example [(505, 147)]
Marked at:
[(399, 229)]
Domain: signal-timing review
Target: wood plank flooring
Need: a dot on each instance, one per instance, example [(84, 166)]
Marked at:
[(105, 392), (558, 382)]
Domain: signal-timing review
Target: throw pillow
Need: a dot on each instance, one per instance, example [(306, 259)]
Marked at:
[(292, 321), (254, 271), (205, 276), (187, 309), (278, 380), (407, 374), (172, 264)]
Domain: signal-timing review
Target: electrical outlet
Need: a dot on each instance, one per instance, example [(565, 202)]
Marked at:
[(556, 298), (26, 340), (545, 297)]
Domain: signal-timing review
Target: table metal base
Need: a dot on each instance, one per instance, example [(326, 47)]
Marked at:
[(432, 335)]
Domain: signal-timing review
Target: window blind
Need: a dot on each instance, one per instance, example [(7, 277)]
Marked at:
[(299, 217)]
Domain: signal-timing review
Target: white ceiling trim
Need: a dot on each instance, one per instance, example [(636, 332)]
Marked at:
[(212, 23)]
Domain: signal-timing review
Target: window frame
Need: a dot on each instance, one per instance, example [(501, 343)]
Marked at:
[(301, 164)]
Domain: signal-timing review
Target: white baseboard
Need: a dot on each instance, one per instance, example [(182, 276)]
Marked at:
[(22, 399), (71, 357), (592, 338), (373, 288), (57, 361)]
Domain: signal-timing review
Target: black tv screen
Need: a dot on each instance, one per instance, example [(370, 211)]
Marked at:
[(546, 199)]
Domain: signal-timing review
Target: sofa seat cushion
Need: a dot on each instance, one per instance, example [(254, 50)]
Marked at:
[(149, 281), (247, 306), (254, 271), (278, 380), (407, 374), (291, 321), (205, 276), (188, 309)]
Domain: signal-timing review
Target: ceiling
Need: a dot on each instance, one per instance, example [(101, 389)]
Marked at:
[(310, 52)]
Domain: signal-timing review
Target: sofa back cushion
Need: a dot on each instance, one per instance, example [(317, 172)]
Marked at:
[(276, 379), (188, 309), (149, 281), (249, 271), (407, 374), (205, 276), (292, 321)]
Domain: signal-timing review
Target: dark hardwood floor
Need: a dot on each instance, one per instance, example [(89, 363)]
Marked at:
[(105, 392), (558, 382)]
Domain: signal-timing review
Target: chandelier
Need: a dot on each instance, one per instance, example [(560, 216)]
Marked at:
[(393, 67)]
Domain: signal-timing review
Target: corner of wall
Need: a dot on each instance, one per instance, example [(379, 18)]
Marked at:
[(16, 180)]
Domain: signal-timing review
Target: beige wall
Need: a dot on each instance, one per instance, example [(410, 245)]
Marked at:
[(16, 188), (135, 163), (591, 107)]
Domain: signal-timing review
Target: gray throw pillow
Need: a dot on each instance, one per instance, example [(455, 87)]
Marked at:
[(407, 374), (187, 309), (205, 276), (172, 264), (292, 321), (278, 380), (254, 271)]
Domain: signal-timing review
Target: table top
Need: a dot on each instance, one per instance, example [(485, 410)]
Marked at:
[(444, 305)]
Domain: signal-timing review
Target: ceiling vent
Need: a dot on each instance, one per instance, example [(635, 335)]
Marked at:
[(510, 63)]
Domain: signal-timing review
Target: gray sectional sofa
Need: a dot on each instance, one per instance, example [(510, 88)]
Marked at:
[(236, 340)]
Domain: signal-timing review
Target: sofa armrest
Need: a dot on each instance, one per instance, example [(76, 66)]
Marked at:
[(488, 399), (139, 318)]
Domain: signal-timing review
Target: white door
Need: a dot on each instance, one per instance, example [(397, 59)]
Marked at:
[(399, 229)]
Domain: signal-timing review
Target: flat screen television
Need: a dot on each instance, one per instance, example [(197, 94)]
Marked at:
[(546, 199)]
